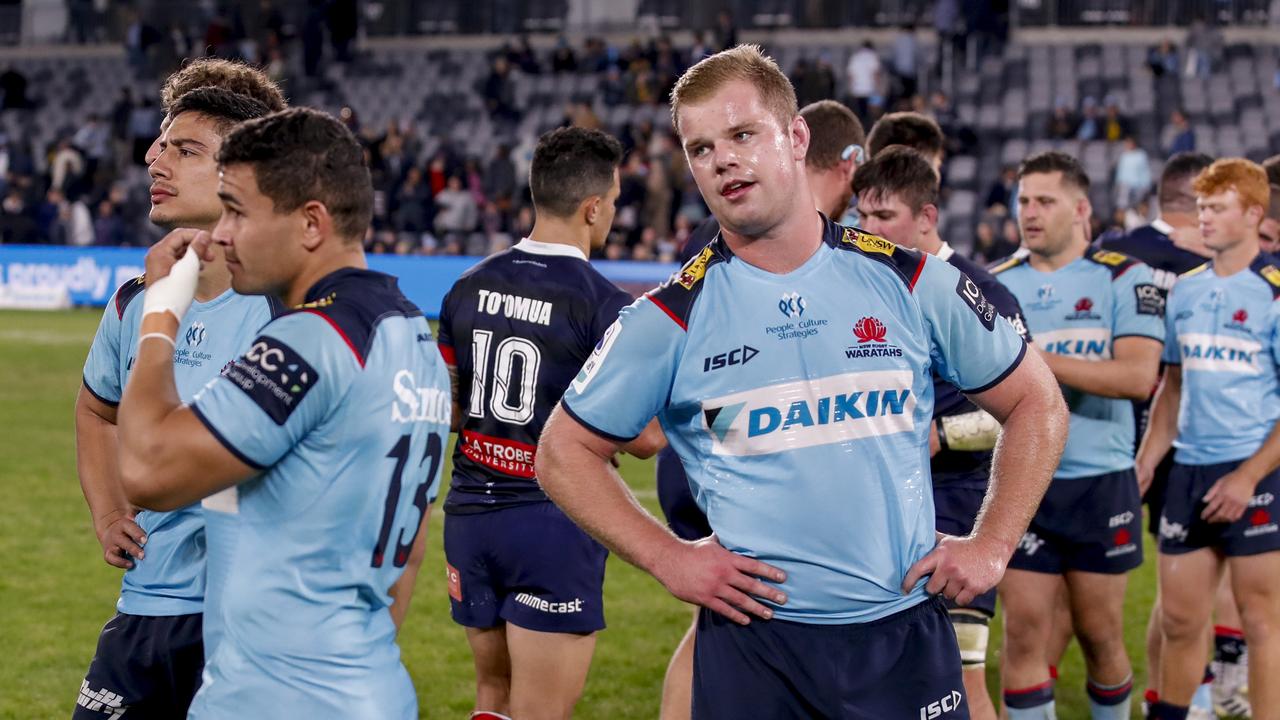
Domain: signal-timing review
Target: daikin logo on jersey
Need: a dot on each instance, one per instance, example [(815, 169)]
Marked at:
[(807, 413), (1087, 343), (1219, 353)]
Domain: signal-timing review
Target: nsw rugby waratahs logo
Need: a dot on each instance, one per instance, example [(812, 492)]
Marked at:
[(869, 329)]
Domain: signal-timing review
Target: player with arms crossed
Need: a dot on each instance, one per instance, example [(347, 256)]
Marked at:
[(898, 200), (1218, 407), (811, 460), (1097, 316), (836, 138), (149, 656), (330, 429), (527, 584)]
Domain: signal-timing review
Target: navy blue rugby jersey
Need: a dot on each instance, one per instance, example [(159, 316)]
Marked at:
[(518, 327)]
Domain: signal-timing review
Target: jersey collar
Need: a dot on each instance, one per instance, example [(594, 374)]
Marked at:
[(534, 247), (1162, 227), (945, 252)]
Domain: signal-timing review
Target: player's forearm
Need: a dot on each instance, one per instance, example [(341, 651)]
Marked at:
[(149, 398), (402, 590), (583, 484), (1162, 425), (1034, 434), (1120, 378), (1266, 459), (97, 463)]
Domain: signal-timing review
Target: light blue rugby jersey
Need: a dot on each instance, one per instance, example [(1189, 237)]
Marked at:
[(1223, 332), (800, 406), (1080, 310), (344, 405), (171, 579)]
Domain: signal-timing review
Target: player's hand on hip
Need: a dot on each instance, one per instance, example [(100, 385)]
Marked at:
[(706, 574), (1227, 500), (959, 569), (122, 538), (172, 247)]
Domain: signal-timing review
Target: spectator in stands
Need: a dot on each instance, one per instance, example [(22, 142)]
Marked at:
[(144, 123), (613, 89), (343, 20), (499, 92), (904, 55), (562, 58), (700, 47), (500, 178), (412, 202), (1163, 59), (108, 227), (1269, 230), (726, 31), (1133, 175), (1204, 48), (1114, 125), (17, 224), (987, 246), (66, 168), (140, 36), (1000, 196), (1062, 123), (13, 90), (863, 78), (456, 209), (1178, 136), (1090, 127), (93, 140), (522, 57)]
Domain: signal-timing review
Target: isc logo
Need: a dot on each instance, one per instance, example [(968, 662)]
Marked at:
[(950, 701), (737, 356)]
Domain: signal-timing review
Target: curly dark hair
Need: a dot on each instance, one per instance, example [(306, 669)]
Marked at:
[(224, 107), (230, 75)]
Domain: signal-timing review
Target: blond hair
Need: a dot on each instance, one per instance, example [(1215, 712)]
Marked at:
[(744, 62), (1246, 177)]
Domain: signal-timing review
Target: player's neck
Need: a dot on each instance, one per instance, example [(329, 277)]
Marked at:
[(1056, 261), (782, 249), (554, 231), (214, 278), (1232, 260), (826, 196), (347, 256), (929, 243)]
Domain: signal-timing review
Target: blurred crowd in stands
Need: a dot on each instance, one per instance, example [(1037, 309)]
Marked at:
[(94, 192)]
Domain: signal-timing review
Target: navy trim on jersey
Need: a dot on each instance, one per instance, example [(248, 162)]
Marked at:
[(1022, 353), (1008, 263), (104, 401), (277, 306), (1265, 268), (593, 428), (1117, 262), (907, 263), (225, 442), (127, 292), (676, 296), (353, 301)]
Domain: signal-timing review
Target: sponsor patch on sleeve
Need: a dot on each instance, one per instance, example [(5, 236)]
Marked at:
[(274, 375), (972, 296), (1149, 299), (592, 365)]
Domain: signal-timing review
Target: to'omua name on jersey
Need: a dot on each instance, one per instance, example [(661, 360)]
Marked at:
[(343, 404), (1225, 333), (1080, 310), (517, 326), (800, 406)]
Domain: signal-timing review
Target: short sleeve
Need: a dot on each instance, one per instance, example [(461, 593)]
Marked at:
[(628, 377), (102, 376), (282, 387), (1172, 353), (1139, 305), (973, 348)]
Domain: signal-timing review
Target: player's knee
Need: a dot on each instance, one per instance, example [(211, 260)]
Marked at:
[(1259, 615), (972, 632), (1179, 622)]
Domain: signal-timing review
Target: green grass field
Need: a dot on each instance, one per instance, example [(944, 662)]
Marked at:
[(55, 591)]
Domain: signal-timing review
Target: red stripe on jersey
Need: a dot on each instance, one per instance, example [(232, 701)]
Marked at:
[(670, 314), (911, 286), (446, 352), (347, 340)]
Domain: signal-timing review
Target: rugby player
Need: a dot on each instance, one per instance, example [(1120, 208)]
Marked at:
[(1218, 407), (1097, 316), (329, 430), (810, 461), (1269, 230), (911, 129), (836, 140), (897, 194), (149, 656), (525, 582), (1171, 245)]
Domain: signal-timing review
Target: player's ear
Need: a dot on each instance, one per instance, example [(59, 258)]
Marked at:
[(317, 224), (800, 136), (590, 209), (927, 218)]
